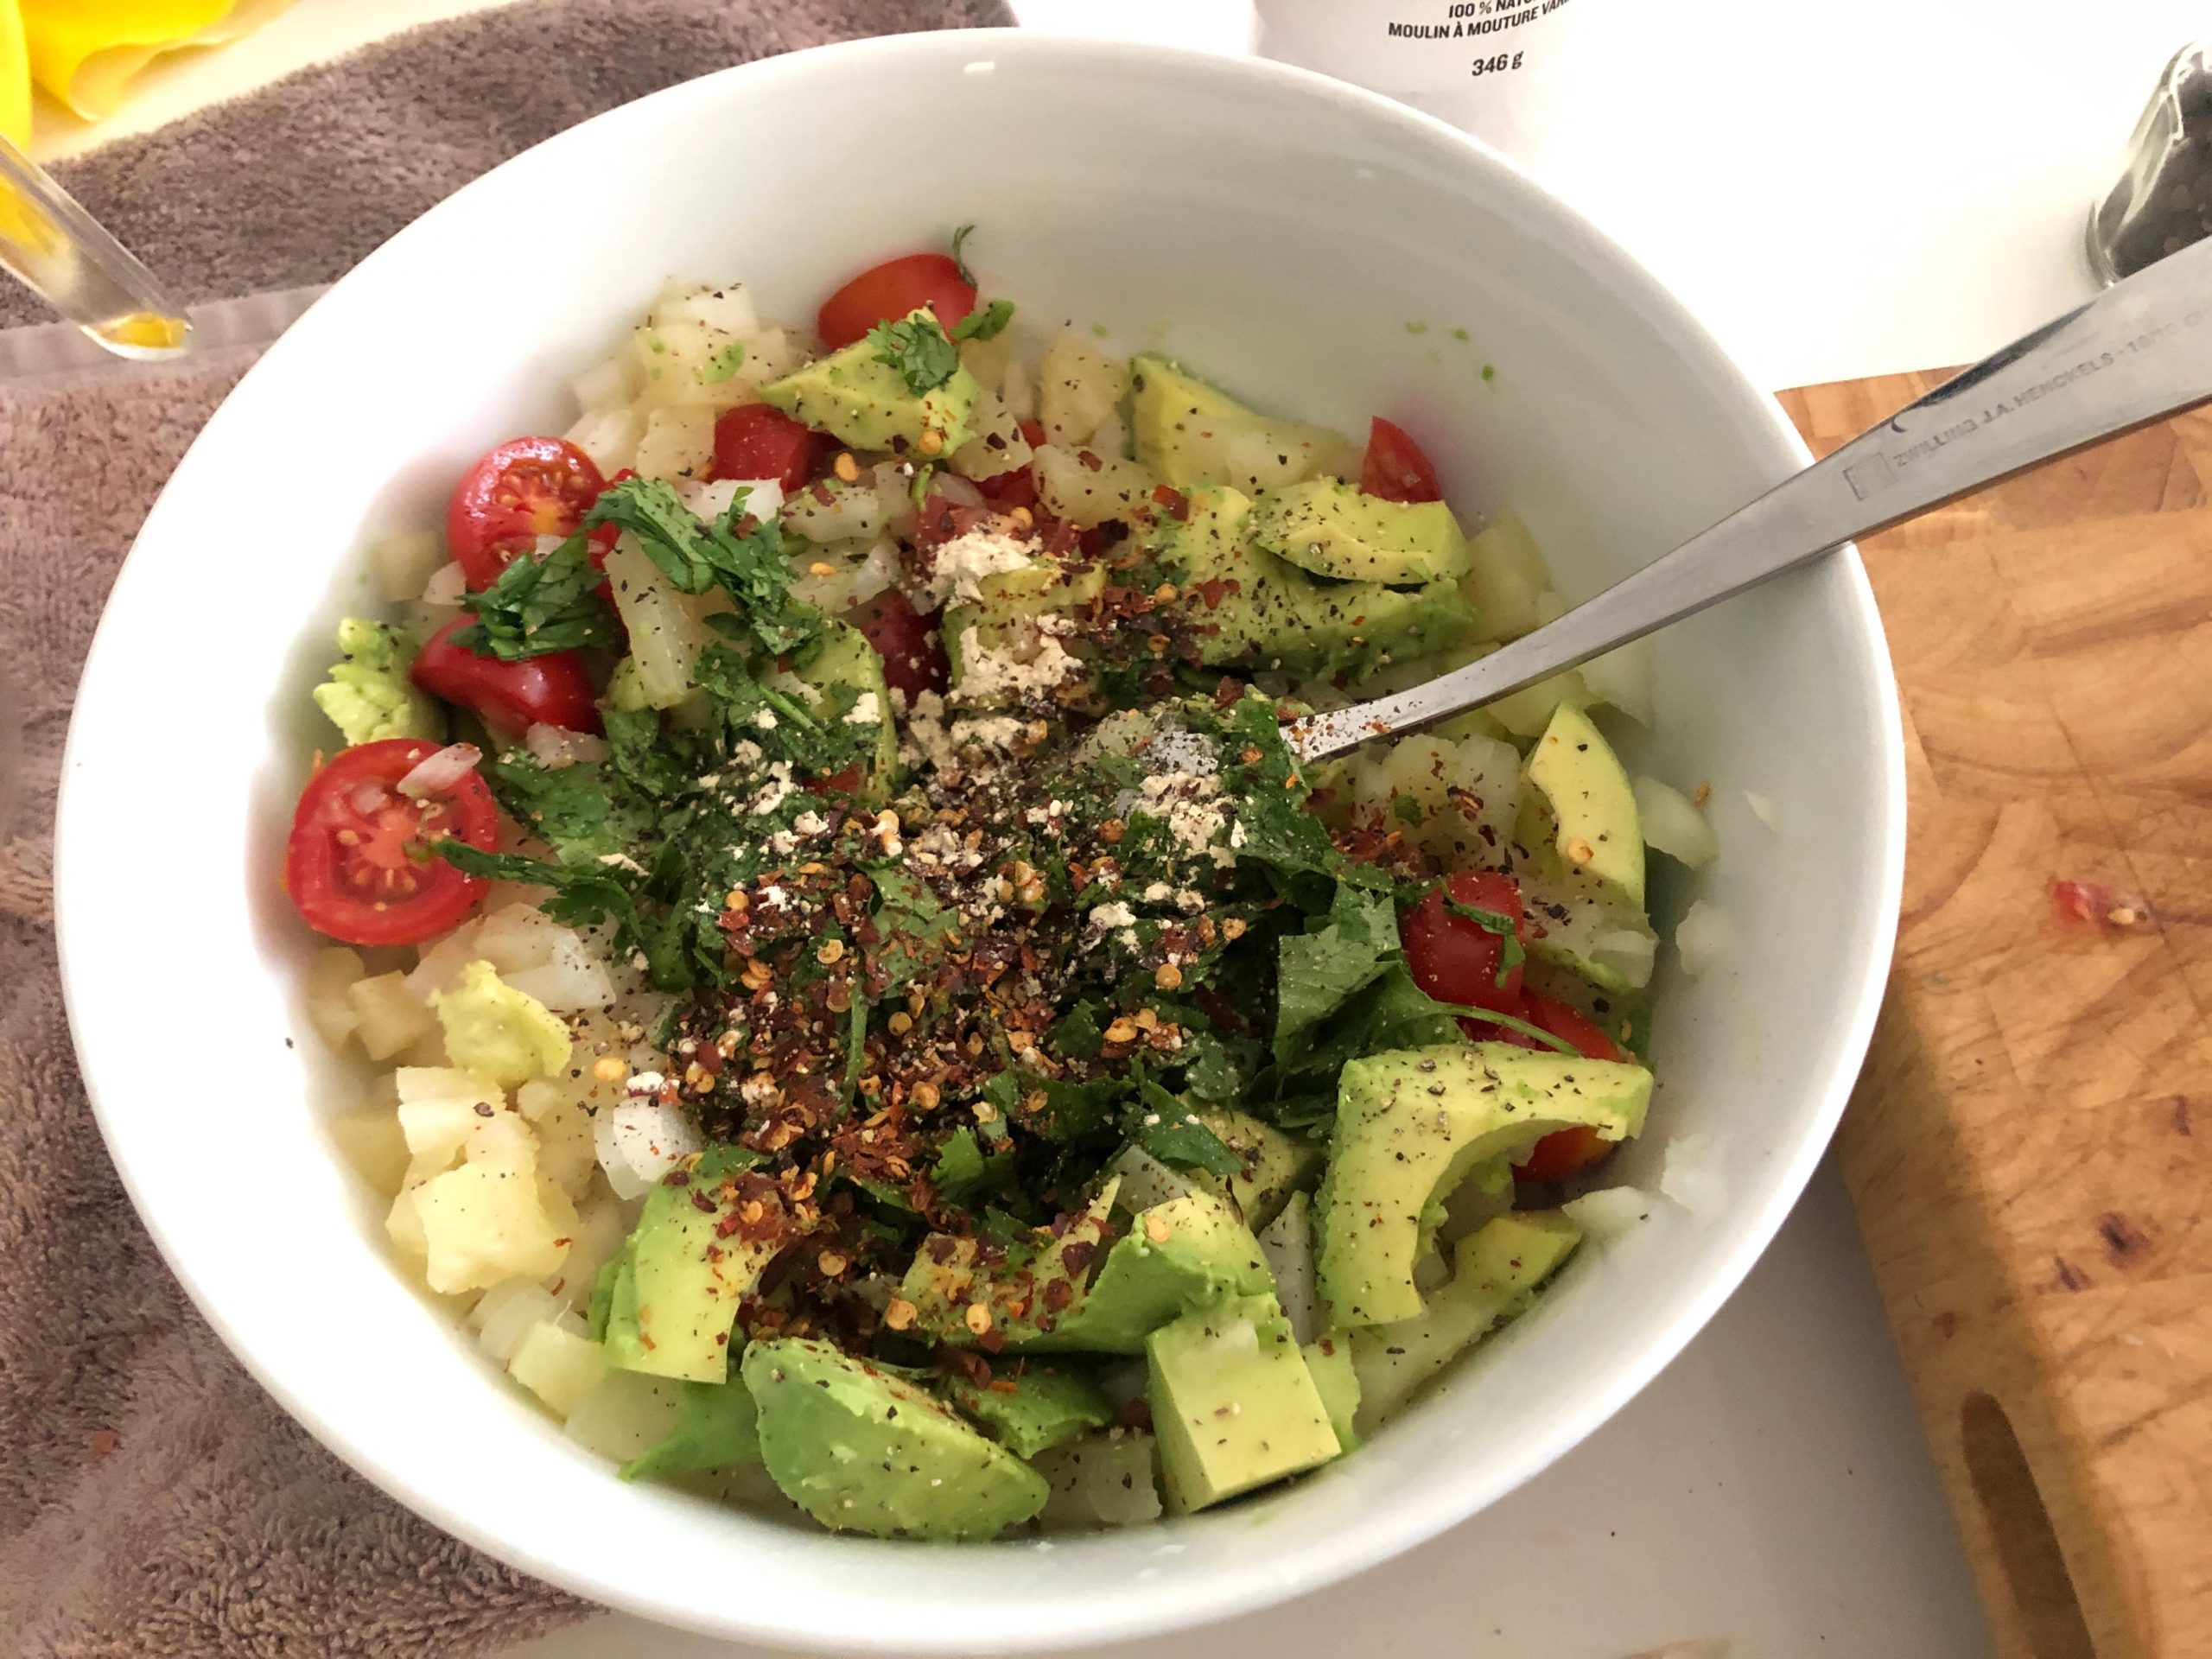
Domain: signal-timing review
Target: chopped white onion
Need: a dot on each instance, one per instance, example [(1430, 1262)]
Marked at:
[(710, 498), (1610, 1212), (1145, 1181), (1702, 938), (402, 563), (1672, 825), (1622, 677), (441, 961), (1288, 1245), (1628, 950), (1098, 1478), (625, 1413), (1762, 807), (876, 572), (504, 1315), (570, 983), (555, 746), (515, 936), (1691, 1174), (955, 489), (436, 774), (612, 382), (445, 587), (894, 482), (640, 1140)]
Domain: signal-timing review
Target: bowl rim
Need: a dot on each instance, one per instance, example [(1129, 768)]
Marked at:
[(1385, 1532)]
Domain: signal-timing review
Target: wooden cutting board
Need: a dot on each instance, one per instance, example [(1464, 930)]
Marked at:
[(2030, 1146)]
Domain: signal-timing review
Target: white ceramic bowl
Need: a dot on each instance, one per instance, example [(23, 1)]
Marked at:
[(1313, 247)]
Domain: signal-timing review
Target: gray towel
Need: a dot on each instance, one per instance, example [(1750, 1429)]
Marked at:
[(153, 1501)]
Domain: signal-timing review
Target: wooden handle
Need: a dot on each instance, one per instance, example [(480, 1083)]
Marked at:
[(2030, 1146)]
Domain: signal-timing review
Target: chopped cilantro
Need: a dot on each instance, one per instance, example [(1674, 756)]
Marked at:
[(986, 321), (1319, 971), (1510, 954), (959, 259), (724, 363), (538, 606), (1407, 810), (752, 567), (918, 348)]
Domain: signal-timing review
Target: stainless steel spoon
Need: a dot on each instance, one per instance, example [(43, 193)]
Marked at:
[(2140, 350)]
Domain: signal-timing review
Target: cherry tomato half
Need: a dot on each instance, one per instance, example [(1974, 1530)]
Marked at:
[(510, 698), (754, 441), (1395, 468), (360, 866), (892, 290), (1566, 1152), (525, 488), (1457, 960), (913, 656)]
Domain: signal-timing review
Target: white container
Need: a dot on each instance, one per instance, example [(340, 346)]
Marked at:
[(1500, 69), (1287, 234)]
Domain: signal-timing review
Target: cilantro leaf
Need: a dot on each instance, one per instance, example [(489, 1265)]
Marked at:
[(694, 555), (917, 347), (986, 321), (584, 814), (1183, 1142), (1389, 1012), (1510, 955), (538, 606), (723, 364), (959, 1161), (960, 259), (914, 925), (1319, 970), (793, 727)]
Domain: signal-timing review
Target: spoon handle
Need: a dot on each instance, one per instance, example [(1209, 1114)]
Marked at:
[(2140, 350)]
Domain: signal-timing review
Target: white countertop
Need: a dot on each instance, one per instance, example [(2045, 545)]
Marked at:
[(1837, 193)]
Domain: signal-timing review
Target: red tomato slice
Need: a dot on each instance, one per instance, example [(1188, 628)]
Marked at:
[(754, 441), (1395, 468), (1457, 960), (359, 866), (1568, 1152), (524, 489), (892, 290), (913, 657), (510, 698), (1015, 487)]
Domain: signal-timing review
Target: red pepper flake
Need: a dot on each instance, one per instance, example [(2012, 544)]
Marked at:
[(1177, 503)]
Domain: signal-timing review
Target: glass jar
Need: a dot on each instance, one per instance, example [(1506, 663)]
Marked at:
[(2164, 201)]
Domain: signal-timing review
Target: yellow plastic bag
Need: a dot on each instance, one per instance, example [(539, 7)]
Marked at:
[(85, 52)]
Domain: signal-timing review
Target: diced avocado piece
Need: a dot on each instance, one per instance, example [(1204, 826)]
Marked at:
[(1599, 832), (1330, 1360), (1233, 1402), (679, 1281), (1413, 1122), (1276, 1163), (497, 1032), (1034, 1408), (1175, 1255), (1190, 433), (1006, 618), (719, 1429), (602, 1295), (1328, 528), (862, 1449), (369, 695), (1243, 605), (841, 656), (1496, 1270), (859, 399)]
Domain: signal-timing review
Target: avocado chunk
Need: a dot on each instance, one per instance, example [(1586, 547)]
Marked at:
[(859, 399), (369, 694), (1275, 1164), (1242, 605), (1190, 433), (1330, 1360), (846, 671), (1006, 641), (678, 1283), (1413, 1122), (1232, 1402), (719, 1429), (497, 1032), (1598, 831), (863, 1449), (1333, 530), (1034, 1409), (1497, 1270), (1175, 1255)]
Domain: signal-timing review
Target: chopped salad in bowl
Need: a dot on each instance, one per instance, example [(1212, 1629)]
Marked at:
[(871, 1014)]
